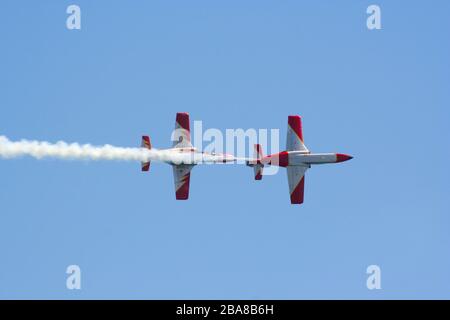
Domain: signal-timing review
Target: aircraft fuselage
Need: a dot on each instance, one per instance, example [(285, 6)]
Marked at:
[(302, 158), (192, 156)]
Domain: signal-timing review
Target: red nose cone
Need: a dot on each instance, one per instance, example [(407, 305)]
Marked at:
[(342, 157)]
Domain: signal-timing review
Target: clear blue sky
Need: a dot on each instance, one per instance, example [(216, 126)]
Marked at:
[(381, 96)]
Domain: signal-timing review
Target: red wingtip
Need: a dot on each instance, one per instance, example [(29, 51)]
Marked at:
[(295, 122), (183, 192), (298, 193), (340, 157), (183, 120)]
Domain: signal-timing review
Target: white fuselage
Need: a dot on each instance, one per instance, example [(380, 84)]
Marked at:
[(193, 157), (298, 158)]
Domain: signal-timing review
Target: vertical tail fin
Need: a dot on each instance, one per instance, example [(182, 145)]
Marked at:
[(145, 166)]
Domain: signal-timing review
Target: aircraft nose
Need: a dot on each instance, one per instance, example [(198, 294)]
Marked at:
[(340, 157)]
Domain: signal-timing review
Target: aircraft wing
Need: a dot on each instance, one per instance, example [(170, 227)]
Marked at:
[(294, 139), (296, 181), (182, 175), (181, 136)]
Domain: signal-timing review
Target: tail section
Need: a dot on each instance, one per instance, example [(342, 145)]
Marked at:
[(258, 152), (145, 166), (258, 167), (258, 170)]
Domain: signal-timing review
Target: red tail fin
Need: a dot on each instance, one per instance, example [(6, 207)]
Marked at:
[(145, 166)]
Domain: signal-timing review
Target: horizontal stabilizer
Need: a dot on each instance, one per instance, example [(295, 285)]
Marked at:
[(258, 170), (258, 167), (145, 166)]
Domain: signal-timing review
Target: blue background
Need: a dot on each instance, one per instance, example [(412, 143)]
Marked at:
[(382, 96)]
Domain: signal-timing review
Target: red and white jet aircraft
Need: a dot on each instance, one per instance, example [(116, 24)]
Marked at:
[(296, 159), (187, 156)]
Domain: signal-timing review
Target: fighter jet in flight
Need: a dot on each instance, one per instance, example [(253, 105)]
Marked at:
[(296, 159), (187, 156)]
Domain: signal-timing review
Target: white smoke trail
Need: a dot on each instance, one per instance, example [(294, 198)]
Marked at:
[(63, 150)]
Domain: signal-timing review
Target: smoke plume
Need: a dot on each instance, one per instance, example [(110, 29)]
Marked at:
[(75, 151)]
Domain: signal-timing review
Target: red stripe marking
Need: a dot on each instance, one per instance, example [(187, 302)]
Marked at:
[(298, 193), (280, 159), (295, 122)]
